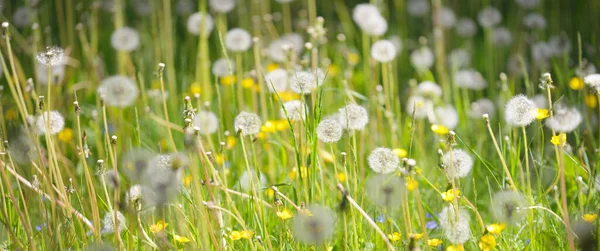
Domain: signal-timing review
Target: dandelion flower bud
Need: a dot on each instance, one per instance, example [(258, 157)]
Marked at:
[(110, 221), (489, 17), (277, 80), (593, 80), (249, 180), (294, 110), (461, 163), (55, 121), (238, 40), (314, 226), (507, 207), (469, 79), (118, 91), (383, 51), (565, 119), (456, 229), (465, 27), (329, 130), (206, 122), (481, 107), (303, 82), (198, 22), (383, 160), (53, 55), (125, 39), (520, 111), (222, 6), (249, 123), (386, 191), (422, 59), (428, 89), (353, 117)]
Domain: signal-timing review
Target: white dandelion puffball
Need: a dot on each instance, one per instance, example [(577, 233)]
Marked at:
[(207, 122), (456, 229), (279, 49), (238, 40), (374, 26), (369, 19), (184, 7), (118, 91), (587, 69), (528, 4), (417, 8), (57, 73), (364, 11), (480, 107), (55, 121), (383, 51), (294, 109), (420, 106), (303, 82), (249, 123), (353, 117), (249, 180), (143, 7), (125, 39), (422, 59), (507, 207), (223, 67), (200, 22), (386, 191), (276, 80), (314, 228), (22, 17), (109, 222), (534, 21), (329, 130), (489, 17), (520, 111), (447, 116), (465, 27), (428, 89), (593, 81), (53, 55), (565, 119), (461, 163), (469, 79), (501, 36), (383, 160), (134, 193), (459, 58), (446, 17), (222, 6)]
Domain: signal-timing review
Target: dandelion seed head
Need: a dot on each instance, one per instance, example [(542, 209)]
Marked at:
[(469, 79), (369, 19), (465, 27), (446, 115), (110, 178), (135, 162), (22, 17), (314, 228), (501, 36), (329, 130), (560, 45), (53, 55), (456, 229), (422, 59), (22, 149), (446, 17), (295, 109), (279, 49), (162, 178), (417, 8), (249, 123), (125, 39), (184, 7), (481, 107), (220, 67), (593, 81), (118, 91), (565, 119), (57, 73), (238, 40), (535, 21), (386, 191), (587, 68), (507, 207), (134, 193), (143, 7), (459, 58), (429, 90), (206, 122), (248, 180), (489, 17), (277, 80), (55, 120), (520, 111), (303, 82), (419, 105), (109, 222), (222, 6), (198, 22), (383, 160), (528, 4), (460, 161), (383, 51), (353, 117)]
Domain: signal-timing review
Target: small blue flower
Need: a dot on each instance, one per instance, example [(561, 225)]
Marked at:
[(380, 218), (527, 241), (428, 216), (431, 225), (38, 228)]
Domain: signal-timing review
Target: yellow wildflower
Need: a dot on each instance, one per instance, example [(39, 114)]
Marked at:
[(195, 88), (495, 228), (455, 248), (400, 152), (294, 173), (590, 100), (541, 114), (270, 193), (353, 58), (271, 67), (559, 140), (434, 242), (487, 242), (576, 83), (159, 226), (285, 214), (287, 96), (228, 80), (394, 236), (411, 183), (450, 195), (417, 236), (269, 126), (244, 234), (328, 157), (341, 177), (589, 217), (334, 70), (181, 239), (187, 180), (281, 125), (230, 142), (248, 83), (219, 159), (439, 129), (261, 135), (11, 114), (66, 135)]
